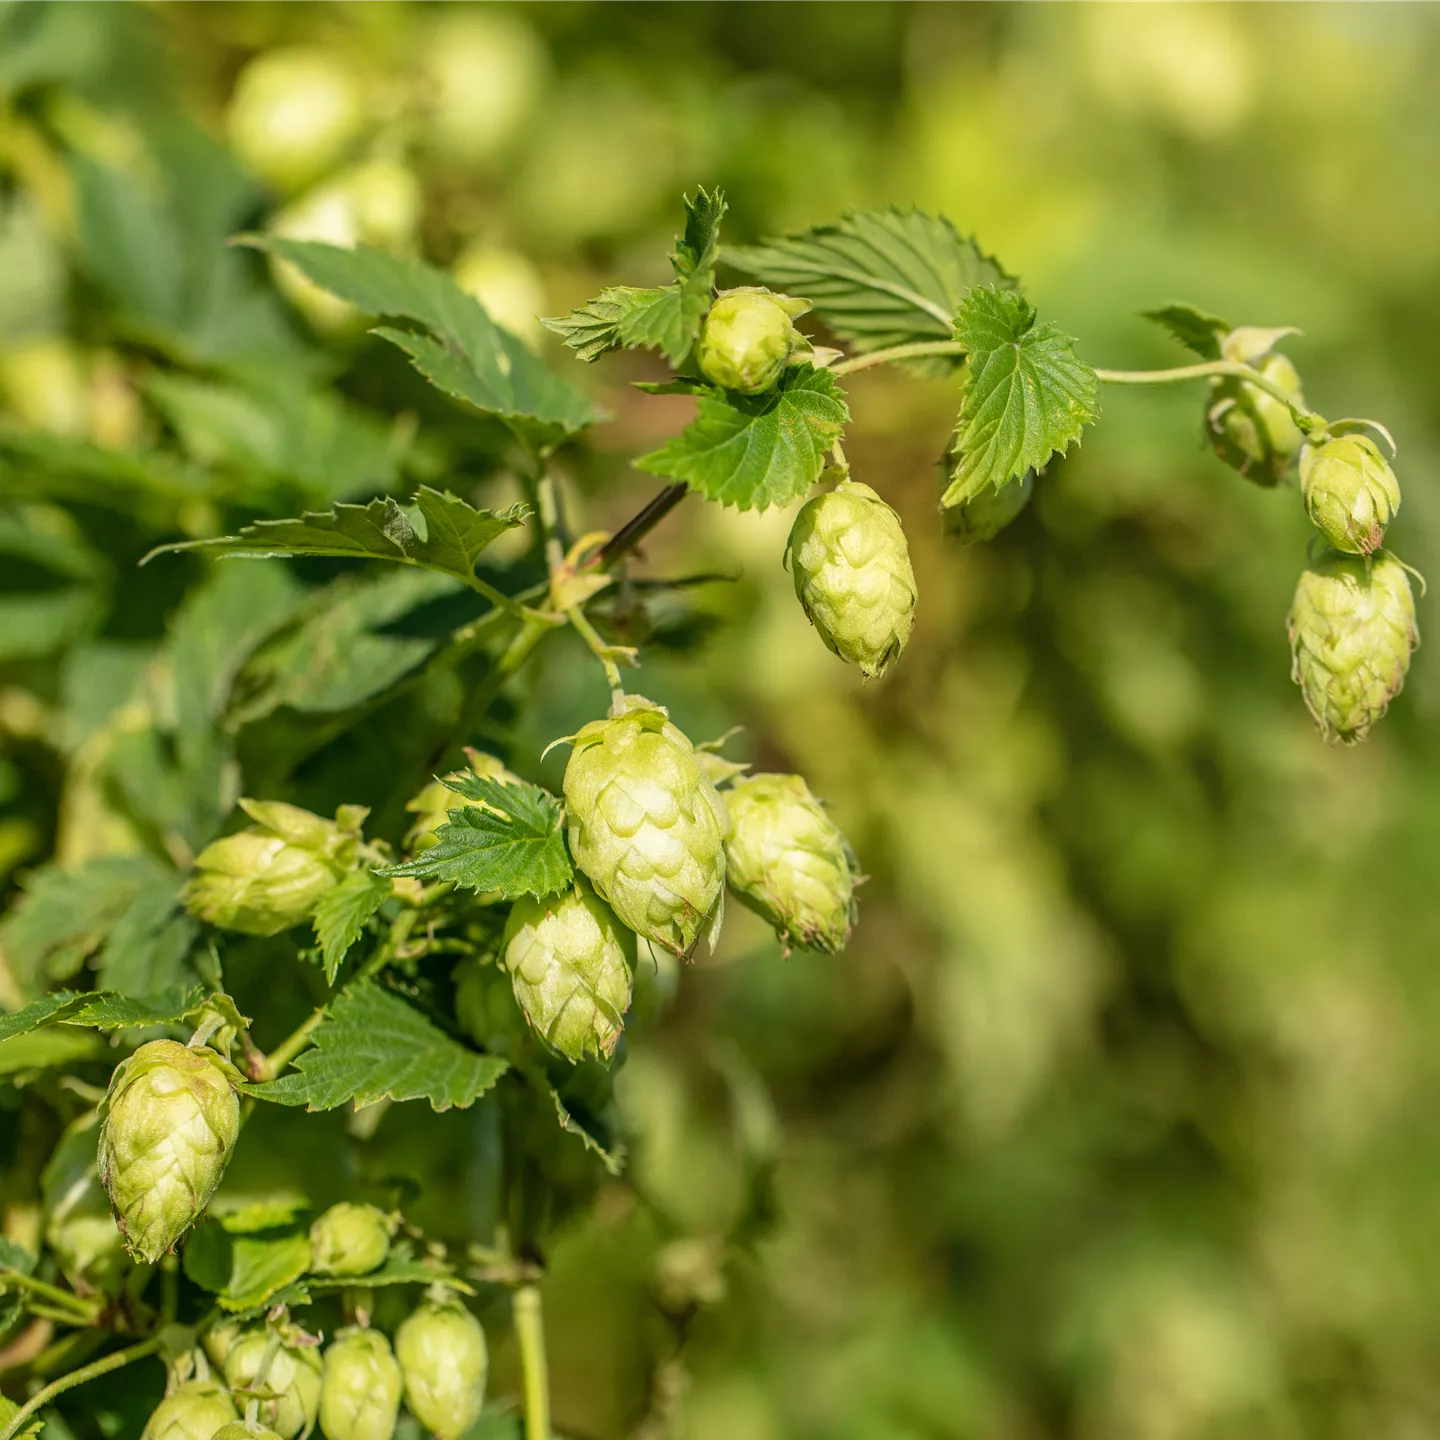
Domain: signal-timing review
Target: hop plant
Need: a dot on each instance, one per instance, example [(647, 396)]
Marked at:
[(485, 1004), (443, 1364), (1352, 628), (271, 875), (359, 1387), (787, 860), (350, 1239), (245, 1430), (80, 1229), (571, 963), (983, 515), (852, 574), (432, 806), (289, 1392), (169, 1122), (1250, 429), (646, 825), (747, 337), (194, 1412), (1350, 491)]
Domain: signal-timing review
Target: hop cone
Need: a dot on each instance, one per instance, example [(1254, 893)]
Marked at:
[(194, 1412), (272, 874), (570, 962), (787, 860), (349, 1239), (985, 514), (289, 1395), (1352, 628), (243, 1430), (1248, 428), (79, 1227), (747, 338), (432, 806), (646, 825), (1351, 493), (853, 576), (443, 1362), (359, 1388), (169, 1122)]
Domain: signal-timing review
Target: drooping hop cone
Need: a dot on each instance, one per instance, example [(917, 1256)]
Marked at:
[(787, 860), (1350, 491), (747, 338), (289, 1395), (852, 574), (194, 1412), (1352, 628), (570, 962), (350, 1239), (646, 825), (443, 1363), (432, 806), (359, 1388), (272, 874), (168, 1124), (1251, 430)]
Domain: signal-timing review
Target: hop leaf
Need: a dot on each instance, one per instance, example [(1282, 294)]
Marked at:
[(443, 1363), (359, 1388), (432, 806)]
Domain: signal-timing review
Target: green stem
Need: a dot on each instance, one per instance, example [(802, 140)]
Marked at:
[(915, 351), (548, 505), (598, 648), (53, 1293), (93, 1371), (530, 1337), (291, 1045)]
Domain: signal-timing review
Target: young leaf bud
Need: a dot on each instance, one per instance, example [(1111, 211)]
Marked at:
[(1248, 428), (1352, 628), (852, 575), (350, 1239), (289, 1393), (646, 825), (1350, 491), (571, 961), (443, 1363), (359, 1388), (194, 1412), (787, 860), (747, 337), (432, 806), (168, 1124)]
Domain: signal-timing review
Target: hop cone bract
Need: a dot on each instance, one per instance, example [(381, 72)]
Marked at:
[(1351, 493), (852, 573), (432, 806), (1248, 428), (289, 1395), (747, 338), (169, 1122), (787, 860), (242, 1430), (349, 1239), (194, 1412), (443, 1363), (571, 961), (646, 825), (1352, 628), (359, 1388)]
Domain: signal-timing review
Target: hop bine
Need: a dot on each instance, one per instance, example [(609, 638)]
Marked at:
[(443, 1364), (647, 826), (194, 1412), (168, 1124), (282, 1375), (1350, 491), (359, 1388), (852, 575), (350, 1239), (1352, 628), (748, 337)]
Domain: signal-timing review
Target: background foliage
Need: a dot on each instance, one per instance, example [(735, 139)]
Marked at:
[(1116, 1117)]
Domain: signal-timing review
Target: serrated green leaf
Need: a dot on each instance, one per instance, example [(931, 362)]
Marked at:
[(341, 915), (513, 843), (397, 1270), (373, 1046), (47, 1010), (1026, 395), (878, 278), (756, 451), (105, 1010), (245, 1270), (1192, 327), (610, 1153), (60, 1045)]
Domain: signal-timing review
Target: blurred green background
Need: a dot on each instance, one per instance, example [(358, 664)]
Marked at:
[(1117, 1118)]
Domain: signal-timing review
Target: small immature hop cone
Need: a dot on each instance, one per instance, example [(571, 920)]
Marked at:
[(243, 1430), (359, 1388), (747, 337), (350, 1239), (787, 860), (852, 575), (272, 874), (169, 1122), (432, 806), (646, 825), (289, 1395), (1248, 428), (194, 1412), (444, 1363), (571, 961), (1351, 493), (1352, 628)]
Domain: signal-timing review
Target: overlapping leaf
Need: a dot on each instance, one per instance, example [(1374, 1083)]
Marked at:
[(105, 1010), (341, 915), (1195, 329)]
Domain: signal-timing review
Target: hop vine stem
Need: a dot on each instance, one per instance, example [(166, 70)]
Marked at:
[(93, 1371), (534, 1370)]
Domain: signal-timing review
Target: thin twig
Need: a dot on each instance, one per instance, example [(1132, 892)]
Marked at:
[(93, 1371)]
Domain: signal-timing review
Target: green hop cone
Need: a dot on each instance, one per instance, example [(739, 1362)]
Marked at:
[(359, 1388), (982, 516), (194, 1412), (272, 874), (168, 1124), (747, 337), (1350, 491), (443, 1363), (432, 806), (852, 574), (80, 1229), (787, 860), (571, 961), (646, 825), (244, 1430), (1352, 628), (1248, 428), (350, 1239), (289, 1395)]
